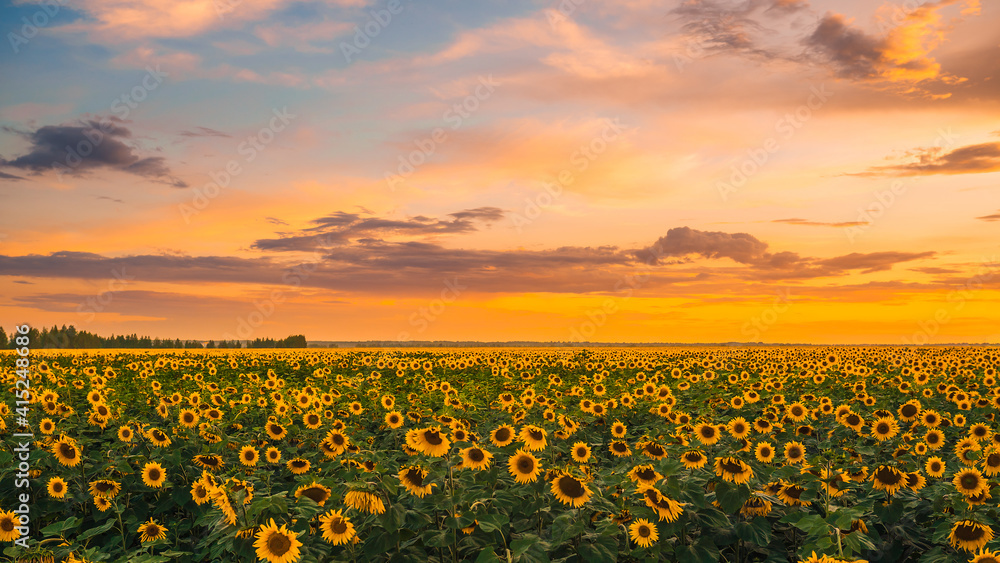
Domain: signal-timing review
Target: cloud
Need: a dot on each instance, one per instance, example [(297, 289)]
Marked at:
[(804, 222), (6, 176), (204, 132), (110, 199), (370, 265), (341, 227), (92, 145), (992, 217), (971, 159), (275, 221)]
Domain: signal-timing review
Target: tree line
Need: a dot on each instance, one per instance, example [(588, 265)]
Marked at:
[(70, 337)]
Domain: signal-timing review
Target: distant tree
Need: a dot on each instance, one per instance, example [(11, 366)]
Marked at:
[(3, 338), (211, 344)]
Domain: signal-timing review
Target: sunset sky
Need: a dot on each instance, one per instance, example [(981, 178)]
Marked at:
[(765, 170)]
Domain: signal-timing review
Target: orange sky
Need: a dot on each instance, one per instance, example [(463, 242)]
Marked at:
[(772, 170)]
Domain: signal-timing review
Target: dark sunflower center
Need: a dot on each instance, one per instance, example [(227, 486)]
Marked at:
[(298, 464), (503, 434), (887, 476), (525, 465), (316, 494), (393, 419), (581, 452), (571, 487), (433, 437), (536, 435), (908, 410), (708, 431), (932, 438), (969, 532), (313, 419), (338, 526), (154, 474), (619, 446), (644, 531), (57, 486), (794, 452), (646, 474), (67, 451), (338, 439), (739, 428), (970, 481), (279, 544), (152, 530), (476, 455), (796, 411), (188, 417), (765, 452), (415, 477), (732, 467), (693, 457), (882, 428), (853, 419), (103, 487), (654, 449), (794, 491)]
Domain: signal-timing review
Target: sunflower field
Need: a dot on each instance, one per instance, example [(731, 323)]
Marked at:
[(528, 455)]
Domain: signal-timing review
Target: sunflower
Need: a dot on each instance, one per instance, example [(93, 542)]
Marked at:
[(125, 434), (732, 469), (153, 475), (885, 428), (796, 411), (930, 419), (275, 430), (102, 504), (644, 475), (365, 502), (200, 492), (643, 532), (298, 465), (533, 438), (151, 531), (412, 478), (524, 467), (277, 545), (653, 450), (970, 535), (791, 494), (158, 437), (66, 452), (9, 522), (986, 556), (694, 459), (618, 429), (210, 462), (431, 441), (619, 448), (580, 452), (188, 418), (707, 434), (970, 482), (312, 420), (738, 427), (249, 456), (888, 479), (57, 487), (934, 439), (104, 488), (337, 528), (47, 426), (393, 420), (475, 457), (764, 452), (756, 506), (795, 452), (570, 490), (666, 508)]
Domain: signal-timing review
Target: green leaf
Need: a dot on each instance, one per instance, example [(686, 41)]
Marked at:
[(757, 532), (730, 497), (487, 556), (492, 522), (596, 553), (95, 531)]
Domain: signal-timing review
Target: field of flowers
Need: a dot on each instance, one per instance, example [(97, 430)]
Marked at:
[(529, 455)]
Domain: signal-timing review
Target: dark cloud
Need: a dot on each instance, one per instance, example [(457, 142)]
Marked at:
[(6, 176), (972, 159), (717, 27), (372, 265), (854, 54), (992, 217), (204, 132), (275, 221), (683, 241), (89, 145), (341, 227), (804, 222), (933, 270), (110, 199)]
